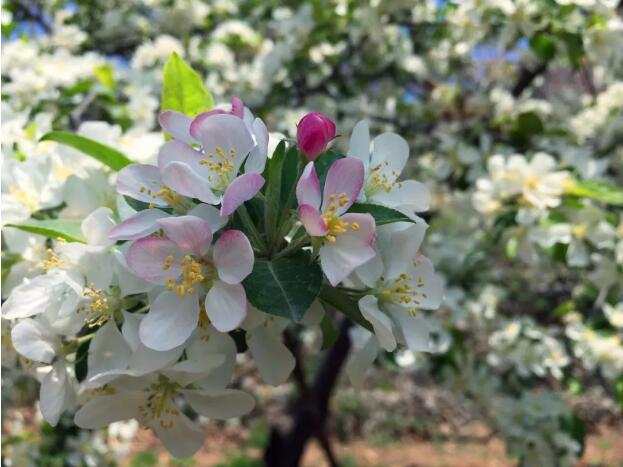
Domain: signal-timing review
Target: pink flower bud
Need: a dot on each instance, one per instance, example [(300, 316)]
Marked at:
[(314, 132)]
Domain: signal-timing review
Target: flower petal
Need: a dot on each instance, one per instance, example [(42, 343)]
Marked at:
[(226, 305), (308, 187), (344, 176), (273, 359), (177, 125), (351, 250), (313, 222), (390, 155), (410, 194), (211, 341), (138, 226), (220, 404), (101, 411), (34, 340), (242, 189), (223, 133), (415, 329), (257, 158), (170, 321), (381, 323), (54, 394), (146, 258), (108, 351), (187, 182), (97, 225), (362, 355), (180, 436), (233, 256), (188, 232), (359, 146), (211, 215), (176, 151), (141, 182)]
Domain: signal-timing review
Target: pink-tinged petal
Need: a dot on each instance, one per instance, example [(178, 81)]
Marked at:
[(344, 176), (183, 179), (146, 258), (176, 151), (350, 250), (177, 125), (308, 187), (257, 158), (141, 182), (211, 215), (226, 132), (188, 232), (138, 226), (367, 227), (233, 256), (242, 189), (312, 220), (170, 321), (226, 305), (314, 131), (237, 107)]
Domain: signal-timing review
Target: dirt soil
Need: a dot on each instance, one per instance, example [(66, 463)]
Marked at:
[(604, 449)]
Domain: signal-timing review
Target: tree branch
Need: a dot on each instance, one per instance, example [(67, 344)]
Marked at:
[(286, 447), (526, 77)]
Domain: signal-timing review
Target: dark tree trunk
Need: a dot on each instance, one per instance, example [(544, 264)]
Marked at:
[(310, 413)]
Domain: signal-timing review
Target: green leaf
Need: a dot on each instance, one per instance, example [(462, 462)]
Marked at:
[(382, 214), (323, 163), (53, 228), (329, 332), (8, 260), (183, 89), (575, 428), (344, 303), (104, 73), (274, 169), (575, 47), (543, 46), (284, 286), (618, 390), (114, 159), (602, 191)]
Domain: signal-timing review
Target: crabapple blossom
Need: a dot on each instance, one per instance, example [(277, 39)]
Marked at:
[(313, 133)]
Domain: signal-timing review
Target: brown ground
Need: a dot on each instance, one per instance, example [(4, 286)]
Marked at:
[(604, 450)]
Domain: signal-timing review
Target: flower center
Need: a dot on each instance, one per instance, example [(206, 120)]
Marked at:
[(580, 231), (192, 274), (52, 261), (164, 193), (100, 305), (378, 181), (403, 291), (335, 224), (160, 403), (221, 165)]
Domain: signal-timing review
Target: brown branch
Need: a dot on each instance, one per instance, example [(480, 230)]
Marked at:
[(526, 77)]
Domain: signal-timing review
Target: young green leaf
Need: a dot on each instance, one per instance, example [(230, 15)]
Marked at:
[(183, 89), (284, 286), (274, 169), (382, 214), (111, 157), (53, 228), (602, 191)]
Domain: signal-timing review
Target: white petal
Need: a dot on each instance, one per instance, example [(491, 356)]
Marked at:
[(410, 195), (97, 225), (381, 323), (220, 404), (101, 411), (34, 341), (108, 352), (210, 214), (362, 356), (273, 359), (415, 329), (211, 341), (313, 316), (182, 438), (53, 393), (390, 154), (226, 305), (360, 143), (170, 321)]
